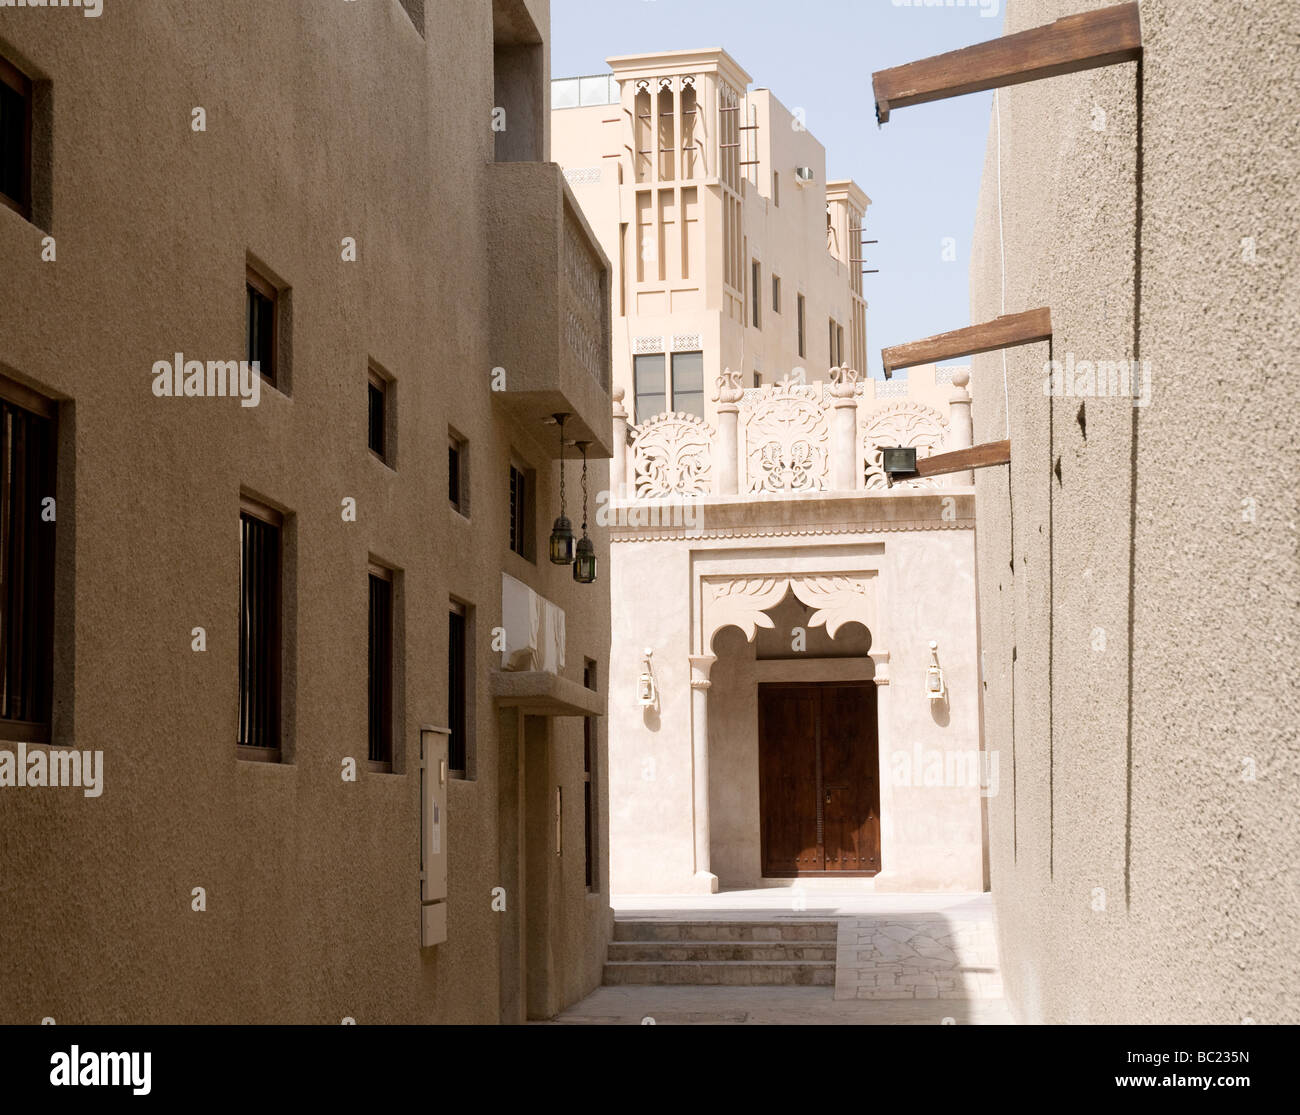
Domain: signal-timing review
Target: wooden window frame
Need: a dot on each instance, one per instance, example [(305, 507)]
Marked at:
[(43, 596), (21, 84), (375, 571), (258, 281), (260, 511)]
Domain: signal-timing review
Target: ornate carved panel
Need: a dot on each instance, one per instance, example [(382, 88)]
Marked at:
[(904, 424), (785, 441), (743, 601), (673, 456)]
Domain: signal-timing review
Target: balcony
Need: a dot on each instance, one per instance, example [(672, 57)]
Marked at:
[(550, 306)]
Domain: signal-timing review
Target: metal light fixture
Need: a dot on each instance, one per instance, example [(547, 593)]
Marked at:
[(934, 684), (647, 693), (561, 546), (897, 464), (584, 565)]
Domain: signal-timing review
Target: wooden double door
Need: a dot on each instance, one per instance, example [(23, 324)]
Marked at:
[(818, 786)]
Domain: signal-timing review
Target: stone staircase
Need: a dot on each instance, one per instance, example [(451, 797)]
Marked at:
[(722, 953)]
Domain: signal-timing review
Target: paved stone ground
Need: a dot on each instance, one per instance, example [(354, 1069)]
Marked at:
[(901, 959), (921, 956), (771, 1006)]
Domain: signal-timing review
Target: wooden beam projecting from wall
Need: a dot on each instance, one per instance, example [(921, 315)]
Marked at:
[(962, 460), (1078, 42), (1006, 331)]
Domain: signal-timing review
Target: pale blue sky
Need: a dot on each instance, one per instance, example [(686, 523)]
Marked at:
[(921, 170)]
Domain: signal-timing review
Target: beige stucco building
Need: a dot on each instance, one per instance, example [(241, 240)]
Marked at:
[(1138, 575), (353, 765), (774, 602)]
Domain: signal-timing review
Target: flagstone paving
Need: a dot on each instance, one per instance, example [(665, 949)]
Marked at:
[(899, 960)]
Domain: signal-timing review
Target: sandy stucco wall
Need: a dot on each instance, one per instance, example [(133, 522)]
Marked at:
[(931, 833), (1138, 631), (324, 121)]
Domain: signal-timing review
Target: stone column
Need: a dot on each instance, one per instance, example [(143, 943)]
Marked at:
[(618, 464), (844, 430), (728, 399), (885, 879), (701, 664), (961, 432)]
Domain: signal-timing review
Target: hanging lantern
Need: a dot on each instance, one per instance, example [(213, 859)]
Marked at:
[(584, 565), (561, 547)]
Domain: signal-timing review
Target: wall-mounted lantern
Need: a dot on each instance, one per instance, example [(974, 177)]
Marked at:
[(935, 688), (647, 692), (561, 547), (584, 564)]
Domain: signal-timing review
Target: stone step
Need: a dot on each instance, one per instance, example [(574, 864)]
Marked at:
[(727, 973), (643, 929), (752, 951)]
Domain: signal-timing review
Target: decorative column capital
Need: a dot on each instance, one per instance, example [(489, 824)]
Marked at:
[(844, 383), (880, 659), (701, 664), (729, 387)]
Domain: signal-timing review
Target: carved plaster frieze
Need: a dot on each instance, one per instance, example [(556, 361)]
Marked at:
[(905, 424), (785, 442), (743, 601), (672, 456)]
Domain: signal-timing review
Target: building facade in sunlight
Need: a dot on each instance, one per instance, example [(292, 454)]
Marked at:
[(793, 685), (350, 717)]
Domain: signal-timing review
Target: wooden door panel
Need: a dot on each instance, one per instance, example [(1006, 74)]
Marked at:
[(819, 793), (787, 724), (850, 787)]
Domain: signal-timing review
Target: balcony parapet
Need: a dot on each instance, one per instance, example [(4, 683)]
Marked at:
[(790, 440)]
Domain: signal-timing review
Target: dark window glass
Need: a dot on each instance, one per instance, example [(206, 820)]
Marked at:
[(377, 419), (453, 474), (688, 383), (518, 512), (259, 632), (803, 343), (589, 781), (649, 387), (756, 289), (261, 326), (457, 749), (26, 569), (381, 670), (15, 138)]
